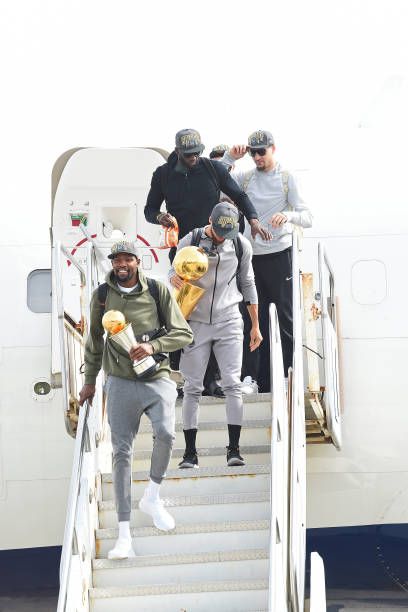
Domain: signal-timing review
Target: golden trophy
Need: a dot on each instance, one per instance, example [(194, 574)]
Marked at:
[(114, 323), (190, 263)]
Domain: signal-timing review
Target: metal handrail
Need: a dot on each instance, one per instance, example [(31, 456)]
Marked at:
[(59, 248), (278, 545), (69, 532), (297, 455)]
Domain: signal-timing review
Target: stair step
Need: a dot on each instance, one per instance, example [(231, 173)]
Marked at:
[(208, 537), (196, 509), (234, 596), (212, 480), (210, 456), (211, 433), (179, 569)]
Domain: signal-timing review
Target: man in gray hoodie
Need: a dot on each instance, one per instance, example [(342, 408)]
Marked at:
[(217, 323)]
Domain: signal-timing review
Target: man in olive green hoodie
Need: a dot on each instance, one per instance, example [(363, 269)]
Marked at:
[(128, 396)]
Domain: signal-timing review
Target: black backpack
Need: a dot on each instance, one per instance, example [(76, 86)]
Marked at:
[(195, 241), (154, 292)]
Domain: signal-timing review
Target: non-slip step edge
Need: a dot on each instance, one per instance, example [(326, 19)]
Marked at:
[(182, 559), (145, 426), (199, 500), (167, 589), (202, 472), (212, 451), (111, 533)]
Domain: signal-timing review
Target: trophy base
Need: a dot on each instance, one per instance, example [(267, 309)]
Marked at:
[(145, 367)]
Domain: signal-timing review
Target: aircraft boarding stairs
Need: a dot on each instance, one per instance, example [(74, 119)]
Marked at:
[(239, 541)]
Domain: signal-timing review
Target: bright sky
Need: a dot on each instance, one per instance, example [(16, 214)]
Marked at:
[(131, 73)]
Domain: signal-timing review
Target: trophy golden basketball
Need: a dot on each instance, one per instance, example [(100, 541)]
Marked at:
[(190, 263)]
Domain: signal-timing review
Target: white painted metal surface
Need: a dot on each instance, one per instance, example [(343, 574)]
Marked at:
[(330, 348), (317, 584)]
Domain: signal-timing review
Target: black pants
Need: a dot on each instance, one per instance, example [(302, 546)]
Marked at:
[(273, 278)]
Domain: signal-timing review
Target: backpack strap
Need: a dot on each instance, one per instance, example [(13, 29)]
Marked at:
[(211, 171), (102, 293), (196, 236), (153, 290), (238, 252), (247, 177), (285, 184)]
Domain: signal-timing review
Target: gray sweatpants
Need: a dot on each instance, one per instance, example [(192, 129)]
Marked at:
[(226, 340), (127, 400)]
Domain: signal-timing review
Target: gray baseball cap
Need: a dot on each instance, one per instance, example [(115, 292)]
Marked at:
[(218, 150), (225, 220), (260, 139), (189, 141), (123, 246)]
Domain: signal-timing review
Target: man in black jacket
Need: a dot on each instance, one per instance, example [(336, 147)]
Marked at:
[(191, 185)]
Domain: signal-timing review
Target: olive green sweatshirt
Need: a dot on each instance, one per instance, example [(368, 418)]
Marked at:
[(139, 309)]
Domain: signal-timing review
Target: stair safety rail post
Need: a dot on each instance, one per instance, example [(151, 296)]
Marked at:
[(297, 453), (59, 282), (330, 350), (317, 584), (71, 582), (278, 555)]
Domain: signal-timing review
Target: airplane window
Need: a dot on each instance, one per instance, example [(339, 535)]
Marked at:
[(39, 291)]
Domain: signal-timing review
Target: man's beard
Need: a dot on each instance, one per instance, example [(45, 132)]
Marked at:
[(123, 278)]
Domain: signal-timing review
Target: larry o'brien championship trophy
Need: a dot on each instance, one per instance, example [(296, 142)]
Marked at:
[(190, 263), (114, 323)]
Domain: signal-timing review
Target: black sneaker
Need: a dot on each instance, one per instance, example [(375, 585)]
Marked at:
[(213, 390), (233, 457), (190, 460)]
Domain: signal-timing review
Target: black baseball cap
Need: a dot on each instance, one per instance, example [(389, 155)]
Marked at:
[(123, 246), (225, 220), (260, 139), (189, 141)]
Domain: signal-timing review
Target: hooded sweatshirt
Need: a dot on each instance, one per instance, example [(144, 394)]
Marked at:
[(221, 299), (139, 309), (192, 193)]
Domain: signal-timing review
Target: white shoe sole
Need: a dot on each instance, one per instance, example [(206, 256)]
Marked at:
[(116, 556)]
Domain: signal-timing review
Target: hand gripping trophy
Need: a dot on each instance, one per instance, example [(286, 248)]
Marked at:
[(190, 263), (114, 323)]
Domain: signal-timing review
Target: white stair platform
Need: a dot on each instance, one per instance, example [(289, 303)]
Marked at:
[(196, 509), (207, 457), (212, 480), (250, 564), (231, 596), (208, 537), (210, 433)]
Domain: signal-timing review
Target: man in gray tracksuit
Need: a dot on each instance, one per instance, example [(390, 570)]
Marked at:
[(217, 323)]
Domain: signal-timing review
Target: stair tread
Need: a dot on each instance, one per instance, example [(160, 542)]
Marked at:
[(111, 533), (205, 557), (209, 451), (201, 472), (192, 587), (145, 425), (199, 500)]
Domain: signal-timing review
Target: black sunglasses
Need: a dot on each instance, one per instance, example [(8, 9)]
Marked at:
[(191, 154), (260, 152)]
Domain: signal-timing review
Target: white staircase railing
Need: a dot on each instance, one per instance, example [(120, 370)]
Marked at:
[(90, 452), (297, 454), (279, 487)]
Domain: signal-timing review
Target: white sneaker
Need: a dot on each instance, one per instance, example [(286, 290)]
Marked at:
[(161, 518), (122, 550), (249, 385)]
